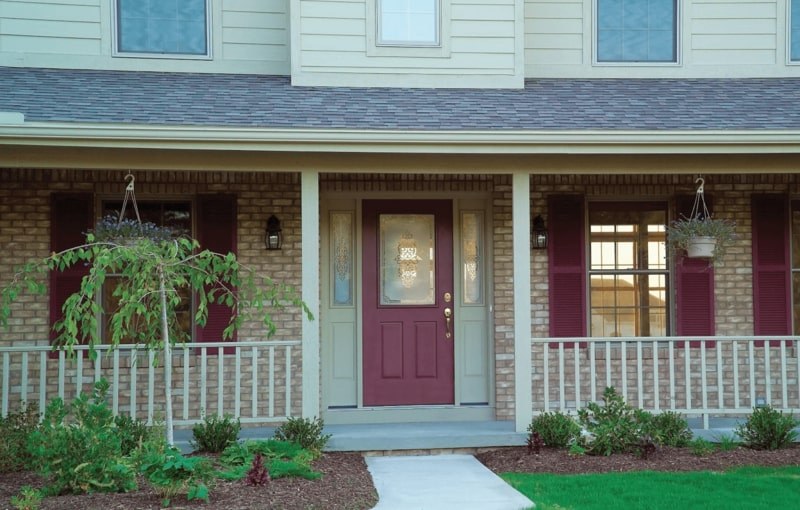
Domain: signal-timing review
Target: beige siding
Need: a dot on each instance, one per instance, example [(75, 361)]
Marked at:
[(247, 36), (553, 33), (334, 45), (734, 32)]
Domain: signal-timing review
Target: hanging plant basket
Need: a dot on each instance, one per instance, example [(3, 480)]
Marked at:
[(701, 247), (129, 232)]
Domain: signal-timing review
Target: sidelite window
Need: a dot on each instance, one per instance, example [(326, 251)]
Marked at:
[(177, 216), (628, 270), (408, 22), (637, 30), (794, 30), (175, 27)]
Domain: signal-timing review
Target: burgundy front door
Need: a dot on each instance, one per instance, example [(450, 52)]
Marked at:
[(408, 288)]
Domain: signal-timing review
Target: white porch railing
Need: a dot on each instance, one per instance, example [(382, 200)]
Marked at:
[(255, 381), (696, 376)]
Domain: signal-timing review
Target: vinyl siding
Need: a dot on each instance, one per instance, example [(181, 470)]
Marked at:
[(334, 45), (553, 33), (247, 36), (734, 32)]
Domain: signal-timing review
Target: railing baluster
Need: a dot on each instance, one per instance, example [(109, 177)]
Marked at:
[(704, 383), (237, 386), (576, 354), (62, 361), (639, 375), (6, 381), (561, 383), (687, 358), (672, 374), (254, 389), (42, 382), (752, 359), (784, 385), (23, 392), (186, 383), (203, 380), (288, 396), (592, 372), (97, 366), (656, 385), (546, 376), (608, 364), (79, 374), (624, 358), (115, 378), (271, 381), (735, 345), (720, 392), (134, 365), (797, 372), (767, 371), (151, 384), (220, 379)]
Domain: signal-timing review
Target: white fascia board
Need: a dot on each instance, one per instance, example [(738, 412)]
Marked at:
[(379, 141)]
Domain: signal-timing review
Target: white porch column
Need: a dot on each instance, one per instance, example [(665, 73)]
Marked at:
[(309, 224), (521, 214)]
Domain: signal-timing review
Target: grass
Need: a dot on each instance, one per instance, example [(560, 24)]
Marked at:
[(748, 488)]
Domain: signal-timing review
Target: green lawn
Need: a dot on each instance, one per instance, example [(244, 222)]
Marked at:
[(743, 488)]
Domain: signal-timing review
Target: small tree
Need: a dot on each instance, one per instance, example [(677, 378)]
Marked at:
[(151, 271)]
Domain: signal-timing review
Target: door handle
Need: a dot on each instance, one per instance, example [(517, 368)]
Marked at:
[(448, 315)]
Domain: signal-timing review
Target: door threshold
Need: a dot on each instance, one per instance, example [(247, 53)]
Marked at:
[(409, 414)]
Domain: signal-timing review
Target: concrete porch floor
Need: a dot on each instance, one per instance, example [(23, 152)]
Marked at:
[(384, 437)]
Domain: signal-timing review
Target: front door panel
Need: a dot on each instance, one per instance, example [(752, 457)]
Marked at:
[(408, 269)]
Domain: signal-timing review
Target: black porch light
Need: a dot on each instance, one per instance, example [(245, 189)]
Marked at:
[(273, 238), (538, 234)]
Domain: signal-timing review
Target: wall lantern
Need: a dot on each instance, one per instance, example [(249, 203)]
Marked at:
[(538, 234), (273, 238)]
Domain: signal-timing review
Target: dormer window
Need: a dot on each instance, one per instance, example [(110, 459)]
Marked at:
[(163, 27), (408, 22)]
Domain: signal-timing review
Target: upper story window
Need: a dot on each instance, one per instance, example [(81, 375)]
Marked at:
[(408, 22), (628, 270), (794, 31), (169, 27), (637, 30)]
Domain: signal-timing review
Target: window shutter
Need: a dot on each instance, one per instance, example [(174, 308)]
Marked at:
[(70, 217), (694, 288), (771, 266), (216, 222), (567, 267)]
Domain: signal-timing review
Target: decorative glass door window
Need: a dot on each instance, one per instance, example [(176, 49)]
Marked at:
[(407, 259), (628, 270), (408, 22)]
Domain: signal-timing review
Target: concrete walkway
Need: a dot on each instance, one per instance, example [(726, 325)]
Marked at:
[(441, 482)]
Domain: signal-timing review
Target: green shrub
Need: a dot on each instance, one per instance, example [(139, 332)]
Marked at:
[(14, 431), (768, 429), (215, 433), (700, 447), (727, 443), (282, 458), (77, 448), (132, 432), (613, 427), (27, 499), (305, 432), (556, 429), (172, 474), (669, 429)]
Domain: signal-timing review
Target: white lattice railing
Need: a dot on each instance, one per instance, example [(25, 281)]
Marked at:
[(714, 376), (255, 381)]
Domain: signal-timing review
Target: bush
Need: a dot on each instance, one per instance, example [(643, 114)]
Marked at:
[(27, 499), (132, 433), (282, 459), (614, 427), (305, 432), (727, 443), (171, 474), (14, 431), (768, 429), (556, 429), (77, 447), (215, 433), (700, 447), (669, 429)]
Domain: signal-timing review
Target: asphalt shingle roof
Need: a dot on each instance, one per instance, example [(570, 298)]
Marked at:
[(271, 102)]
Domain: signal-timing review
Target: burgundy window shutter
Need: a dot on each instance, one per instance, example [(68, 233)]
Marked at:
[(771, 266), (567, 267), (216, 221), (70, 217), (694, 288)]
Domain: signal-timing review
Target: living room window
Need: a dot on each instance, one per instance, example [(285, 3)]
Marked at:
[(636, 31), (162, 27), (628, 270), (408, 22)]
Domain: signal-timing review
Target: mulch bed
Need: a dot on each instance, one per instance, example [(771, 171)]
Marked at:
[(559, 461), (345, 484)]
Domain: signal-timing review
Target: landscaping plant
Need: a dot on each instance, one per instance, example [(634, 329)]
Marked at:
[(701, 447), (669, 429), (78, 449), (258, 474), (556, 429), (171, 474), (613, 427), (132, 432), (768, 429), (215, 433), (306, 432), (282, 459), (14, 431), (727, 443), (27, 499)]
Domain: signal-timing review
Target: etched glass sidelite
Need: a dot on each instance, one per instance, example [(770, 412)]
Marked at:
[(342, 249), (407, 259), (471, 256)]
